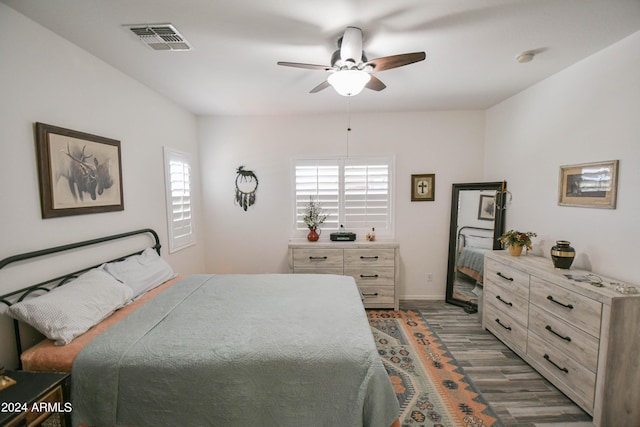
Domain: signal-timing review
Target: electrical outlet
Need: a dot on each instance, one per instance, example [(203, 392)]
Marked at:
[(429, 277)]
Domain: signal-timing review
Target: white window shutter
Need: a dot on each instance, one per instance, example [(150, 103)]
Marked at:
[(179, 199), (320, 182)]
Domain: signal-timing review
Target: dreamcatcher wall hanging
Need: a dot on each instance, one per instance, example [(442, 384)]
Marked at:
[(246, 187)]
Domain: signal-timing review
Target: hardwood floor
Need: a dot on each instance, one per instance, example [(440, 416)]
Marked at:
[(518, 394)]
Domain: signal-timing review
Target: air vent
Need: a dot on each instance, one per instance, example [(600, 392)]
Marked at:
[(160, 36)]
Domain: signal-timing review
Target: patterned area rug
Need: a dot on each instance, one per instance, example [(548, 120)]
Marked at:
[(431, 386)]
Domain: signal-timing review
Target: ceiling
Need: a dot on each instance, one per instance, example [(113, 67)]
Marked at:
[(471, 47)]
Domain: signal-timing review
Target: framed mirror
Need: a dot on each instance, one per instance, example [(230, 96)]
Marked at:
[(477, 222)]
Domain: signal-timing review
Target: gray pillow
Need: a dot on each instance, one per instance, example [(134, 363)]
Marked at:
[(71, 309), (141, 272)]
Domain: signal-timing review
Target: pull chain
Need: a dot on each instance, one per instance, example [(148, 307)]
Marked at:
[(348, 123)]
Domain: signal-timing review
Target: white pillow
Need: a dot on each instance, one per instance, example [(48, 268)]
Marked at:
[(71, 309), (479, 242), (141, 272)]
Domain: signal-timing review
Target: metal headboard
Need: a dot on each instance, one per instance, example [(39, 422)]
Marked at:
[(20, 294)]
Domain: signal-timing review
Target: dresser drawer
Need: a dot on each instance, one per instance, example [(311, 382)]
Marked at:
[(574, 308), (556, 333), (507, 302), (566, 373), (371, 275), (513, 333), (369, 257), (508, 278), (317, 258), (377, 296)]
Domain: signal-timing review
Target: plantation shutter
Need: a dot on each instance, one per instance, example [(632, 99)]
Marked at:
[(179, 207), (366, 196), (354, 192), (320, 182)]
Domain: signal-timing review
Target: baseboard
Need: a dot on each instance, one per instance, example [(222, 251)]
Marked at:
[(421, 298)]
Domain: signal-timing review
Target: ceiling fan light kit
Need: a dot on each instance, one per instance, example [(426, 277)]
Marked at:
[(351, 71), (349, 82)]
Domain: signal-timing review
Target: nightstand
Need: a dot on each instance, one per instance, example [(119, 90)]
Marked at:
[(37, 399)]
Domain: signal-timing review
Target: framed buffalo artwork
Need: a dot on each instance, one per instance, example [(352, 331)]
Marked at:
[(79, 173)]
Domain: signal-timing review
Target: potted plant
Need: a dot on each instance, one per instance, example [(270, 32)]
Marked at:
[(313, 218), (516, 240)]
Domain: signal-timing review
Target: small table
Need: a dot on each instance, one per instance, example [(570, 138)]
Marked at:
[(35, 398)]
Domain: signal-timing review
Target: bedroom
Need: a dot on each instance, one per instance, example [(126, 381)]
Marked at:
[(556, 116)]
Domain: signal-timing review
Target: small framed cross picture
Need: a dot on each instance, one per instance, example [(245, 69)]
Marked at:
[(423, 187)]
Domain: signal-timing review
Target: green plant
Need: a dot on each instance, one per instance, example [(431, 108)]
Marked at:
[(517, 238), (314, 216)]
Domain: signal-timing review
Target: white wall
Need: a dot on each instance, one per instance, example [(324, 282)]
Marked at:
[(588, 112), (44, 78), (449, 144)]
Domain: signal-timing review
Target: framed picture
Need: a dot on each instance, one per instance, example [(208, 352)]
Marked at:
[(487, 207), (78, 173), (592, 185), (423, 187)]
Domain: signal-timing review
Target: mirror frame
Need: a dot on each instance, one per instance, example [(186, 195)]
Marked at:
[(498, 228)]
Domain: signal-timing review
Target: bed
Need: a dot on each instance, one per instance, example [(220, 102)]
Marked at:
[(473, 243), (233, 349)]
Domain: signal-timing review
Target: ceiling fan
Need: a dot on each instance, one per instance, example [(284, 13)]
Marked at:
[(351, 71)]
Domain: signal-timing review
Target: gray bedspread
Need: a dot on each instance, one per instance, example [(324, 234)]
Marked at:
[(473, 259), (238, 350)]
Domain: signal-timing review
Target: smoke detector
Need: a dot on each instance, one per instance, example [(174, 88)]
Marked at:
[(160, 36)]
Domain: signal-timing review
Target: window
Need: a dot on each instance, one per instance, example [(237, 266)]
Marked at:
[(179, 212), (353, 192)]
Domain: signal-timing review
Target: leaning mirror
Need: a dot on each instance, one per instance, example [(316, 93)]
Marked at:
[(477, 222)]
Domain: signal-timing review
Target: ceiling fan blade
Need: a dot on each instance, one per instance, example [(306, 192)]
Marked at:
[(395, 61), (351, 45), (375, 84), (325, 84), (307, 66)]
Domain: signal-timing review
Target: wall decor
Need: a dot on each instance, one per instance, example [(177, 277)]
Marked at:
[(79, 173), (592, 185), (423, 187), (487, 207), (246, 187)]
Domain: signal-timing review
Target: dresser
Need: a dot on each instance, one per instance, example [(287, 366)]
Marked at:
[(374, 266), (584, 339)]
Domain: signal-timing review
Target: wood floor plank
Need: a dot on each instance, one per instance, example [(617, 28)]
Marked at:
[(518, 394)]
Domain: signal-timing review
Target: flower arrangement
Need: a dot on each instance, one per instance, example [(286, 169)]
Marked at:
[(314, 216), (517, 238)]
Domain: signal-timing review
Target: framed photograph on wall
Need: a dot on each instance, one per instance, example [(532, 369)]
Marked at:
[(487, 207), (423, 187), (591, 185), (79, 173)]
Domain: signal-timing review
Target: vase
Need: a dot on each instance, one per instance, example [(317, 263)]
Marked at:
[(562, 254), (313, 235), (515, 250)]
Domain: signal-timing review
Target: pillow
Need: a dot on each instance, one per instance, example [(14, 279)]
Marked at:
[(479, 242), (71, 309), (141, 272)]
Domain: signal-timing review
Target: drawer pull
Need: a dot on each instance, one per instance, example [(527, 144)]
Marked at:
[(315, 258), (550, 329), (369, 276), (375, 294), (508, 328), (548, 359), (569, 306), (499, 298), (505, 277), (369, 257)]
